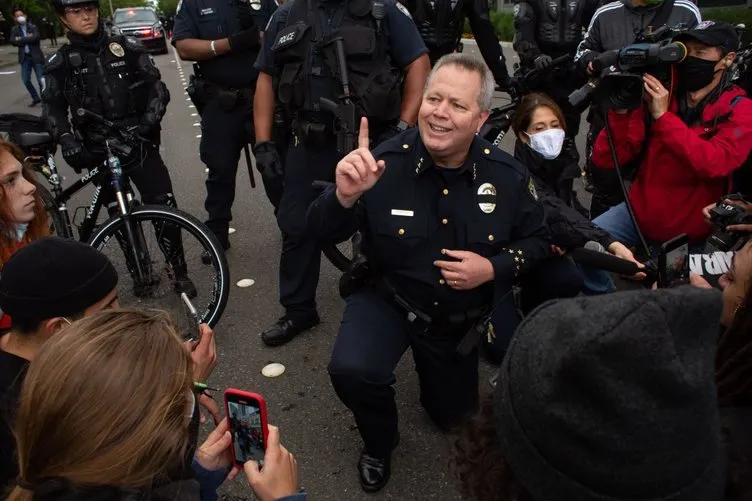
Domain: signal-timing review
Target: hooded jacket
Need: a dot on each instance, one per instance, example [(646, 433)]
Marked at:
[(617, 24), (685, 167)]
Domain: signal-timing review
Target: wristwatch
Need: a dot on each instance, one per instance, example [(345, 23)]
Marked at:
[(402, 126)]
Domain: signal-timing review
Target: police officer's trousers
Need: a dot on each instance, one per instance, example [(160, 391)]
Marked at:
[(300, 262), (554, 278), (372, 338), (223, 135)]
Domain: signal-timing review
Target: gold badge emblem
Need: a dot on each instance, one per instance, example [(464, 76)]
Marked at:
[(487, 197), (117, 49)]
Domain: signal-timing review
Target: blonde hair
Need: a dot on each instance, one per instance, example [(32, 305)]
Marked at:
[(104, 403)]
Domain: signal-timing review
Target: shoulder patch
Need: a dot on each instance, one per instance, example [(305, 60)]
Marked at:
[(403, 9), (55, 60), (132, 43)]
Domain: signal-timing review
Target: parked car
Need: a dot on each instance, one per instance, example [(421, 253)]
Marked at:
[(143, 24)]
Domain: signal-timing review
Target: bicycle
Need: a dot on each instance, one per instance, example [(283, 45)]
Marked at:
[(495, 128), (126, 224)]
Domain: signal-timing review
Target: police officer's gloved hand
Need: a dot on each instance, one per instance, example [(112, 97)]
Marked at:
[(543, 61), (73, 152), (268, 162), (144, 129), (245, 40)]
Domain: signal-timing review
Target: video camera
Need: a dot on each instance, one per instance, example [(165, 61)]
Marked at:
[(617, 81), (723, 215)]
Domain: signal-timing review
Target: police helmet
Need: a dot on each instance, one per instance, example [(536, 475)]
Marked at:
[(60, 5)]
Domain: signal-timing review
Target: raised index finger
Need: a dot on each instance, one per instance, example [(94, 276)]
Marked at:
[(363, 141)]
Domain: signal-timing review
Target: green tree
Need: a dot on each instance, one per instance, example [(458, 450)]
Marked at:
[(106, 12), (167, 7)]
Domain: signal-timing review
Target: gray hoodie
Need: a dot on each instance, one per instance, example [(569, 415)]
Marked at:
[(617, 24)]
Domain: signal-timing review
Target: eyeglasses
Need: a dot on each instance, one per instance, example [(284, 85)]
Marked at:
[(77, 11)]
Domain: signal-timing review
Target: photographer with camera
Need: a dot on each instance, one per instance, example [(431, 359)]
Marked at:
[(695, 135), (613, 26)]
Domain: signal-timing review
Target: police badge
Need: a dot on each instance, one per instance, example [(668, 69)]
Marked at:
[(117, 49), (487, 197)]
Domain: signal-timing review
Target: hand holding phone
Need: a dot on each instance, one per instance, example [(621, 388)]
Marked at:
[(246, 413), (280, 476), (673, 262)]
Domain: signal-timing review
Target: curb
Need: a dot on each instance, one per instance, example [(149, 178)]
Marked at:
[(471, 41)]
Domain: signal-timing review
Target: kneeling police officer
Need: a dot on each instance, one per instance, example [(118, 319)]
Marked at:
[(114, 77), (449, 222)]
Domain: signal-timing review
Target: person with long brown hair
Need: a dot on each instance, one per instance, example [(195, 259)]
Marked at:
[(105, 412), (23, 218)]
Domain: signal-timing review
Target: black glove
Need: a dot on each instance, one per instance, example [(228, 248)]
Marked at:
[(73, 153), (267, 159), (542, 61), (246, 40)]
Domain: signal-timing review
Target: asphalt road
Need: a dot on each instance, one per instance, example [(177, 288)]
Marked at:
[(314, 424)]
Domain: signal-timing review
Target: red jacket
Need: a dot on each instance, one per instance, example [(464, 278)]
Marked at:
[(684, 168)]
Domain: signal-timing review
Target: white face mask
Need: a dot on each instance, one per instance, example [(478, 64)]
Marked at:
[(21, 20), (548, 143)]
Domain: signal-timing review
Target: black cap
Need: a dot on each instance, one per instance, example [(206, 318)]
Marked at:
[(54, 277), (713, 34), (61, 4), (613, 397)]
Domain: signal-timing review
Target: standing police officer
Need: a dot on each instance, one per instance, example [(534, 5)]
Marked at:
[(112, 76), (441, 23), (224, 37), (311, 47), (544, 31), (449, 222)]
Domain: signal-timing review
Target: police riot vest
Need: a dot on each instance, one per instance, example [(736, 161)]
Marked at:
[(105, 81), (306, 55), (440, 23), (559, 26)]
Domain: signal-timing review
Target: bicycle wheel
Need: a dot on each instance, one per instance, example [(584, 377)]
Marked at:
[(160, 258), (341, 255), (57, 224)]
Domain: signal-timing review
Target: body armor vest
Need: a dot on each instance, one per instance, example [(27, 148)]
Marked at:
[(559, 26), (306, 55), (105, 82), (440, 23)]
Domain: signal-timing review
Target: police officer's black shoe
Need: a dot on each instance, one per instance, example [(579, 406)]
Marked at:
[(183, 283), (286, 329), (373, 471)]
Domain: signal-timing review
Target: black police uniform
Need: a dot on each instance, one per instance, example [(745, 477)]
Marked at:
[(546, 30), (114, 77), (303, 73), (224, 94), (415, 210), (442, 22)]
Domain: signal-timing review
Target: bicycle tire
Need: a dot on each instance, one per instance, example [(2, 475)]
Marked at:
[(57, 223), (191, 225)]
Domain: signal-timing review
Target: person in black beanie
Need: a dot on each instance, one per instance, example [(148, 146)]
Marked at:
[(44, 286), (604, 398)]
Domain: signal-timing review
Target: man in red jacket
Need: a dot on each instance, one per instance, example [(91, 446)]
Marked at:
[(692, 138)]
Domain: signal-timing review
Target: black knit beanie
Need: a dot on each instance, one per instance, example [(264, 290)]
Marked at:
[(613, 398), (54, 277)]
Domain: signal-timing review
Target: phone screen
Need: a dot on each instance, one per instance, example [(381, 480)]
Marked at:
[(677, 263), (247, 430)]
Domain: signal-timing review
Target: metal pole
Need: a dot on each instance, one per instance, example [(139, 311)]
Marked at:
[(112, 11)]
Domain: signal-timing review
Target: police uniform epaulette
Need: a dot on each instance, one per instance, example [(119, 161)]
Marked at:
[(400, 144), (497, 155)]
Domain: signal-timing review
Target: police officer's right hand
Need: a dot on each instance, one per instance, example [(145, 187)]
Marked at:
[(267, 160), (358, 172), (245, 40), (73, 152), (543, 61)]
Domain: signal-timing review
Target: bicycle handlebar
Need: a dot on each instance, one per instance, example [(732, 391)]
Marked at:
[(126, 134)]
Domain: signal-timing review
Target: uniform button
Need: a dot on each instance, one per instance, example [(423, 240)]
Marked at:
[(444, 221), (441, 281), (486, 151), (401, 231), (443, 251), (405, 146), (435, 303), (445, 192), (490, 238)]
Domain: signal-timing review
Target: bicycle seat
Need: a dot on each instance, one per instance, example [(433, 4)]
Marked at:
[(29, 139)]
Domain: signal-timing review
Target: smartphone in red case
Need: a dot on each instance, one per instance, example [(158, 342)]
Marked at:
[(246, 412)]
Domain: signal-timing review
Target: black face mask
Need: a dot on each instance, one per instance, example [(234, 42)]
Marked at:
[(696, 73)]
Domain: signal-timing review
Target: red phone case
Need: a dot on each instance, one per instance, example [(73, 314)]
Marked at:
[(232, 392)]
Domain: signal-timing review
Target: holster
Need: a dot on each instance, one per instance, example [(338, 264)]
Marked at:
[(313, 133)]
